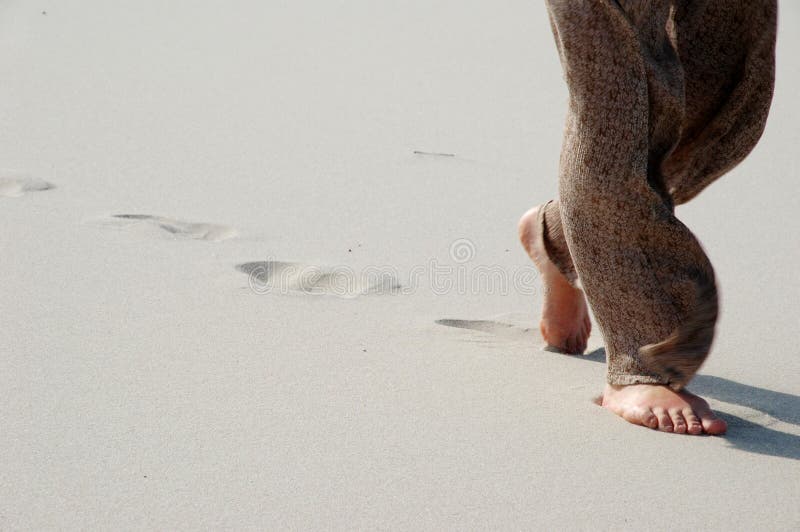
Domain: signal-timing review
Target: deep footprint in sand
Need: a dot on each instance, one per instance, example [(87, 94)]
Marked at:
[(274, 277), (14, 186), (179, 228)]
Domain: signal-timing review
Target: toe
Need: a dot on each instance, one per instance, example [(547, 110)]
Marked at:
[(582, 345), (693, 425), (664, 421), (580, 342), (638, 416), (714, 425), (569, 344), (678, 421), (576, 344), (648, 419), (710, 422)]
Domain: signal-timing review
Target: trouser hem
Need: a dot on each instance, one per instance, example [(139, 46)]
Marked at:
[(627, 380)]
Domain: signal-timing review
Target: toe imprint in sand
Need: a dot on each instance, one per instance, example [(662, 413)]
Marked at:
[(273, 277), (179, 228), (13, 186)]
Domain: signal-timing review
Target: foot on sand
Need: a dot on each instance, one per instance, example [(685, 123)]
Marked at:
[(565, 321), (660, 407)]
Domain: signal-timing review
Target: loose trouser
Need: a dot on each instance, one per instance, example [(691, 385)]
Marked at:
[(665, 96)]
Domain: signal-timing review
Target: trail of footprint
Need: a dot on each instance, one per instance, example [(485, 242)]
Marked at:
[(15, 186), (197, 231), (291, 277)]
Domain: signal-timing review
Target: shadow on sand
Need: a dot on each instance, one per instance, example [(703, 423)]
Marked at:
[(742, 433)]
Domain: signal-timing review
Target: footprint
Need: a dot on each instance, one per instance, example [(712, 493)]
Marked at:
[(508, 332), (291, 277), (14, 186), (486, 326), (197, 231)]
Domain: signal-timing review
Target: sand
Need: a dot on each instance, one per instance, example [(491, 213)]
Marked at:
[(234, 297)]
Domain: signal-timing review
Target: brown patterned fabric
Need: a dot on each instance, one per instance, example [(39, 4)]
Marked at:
[(665, 97)]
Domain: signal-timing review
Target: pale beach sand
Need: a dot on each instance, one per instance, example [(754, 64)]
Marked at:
[(234, 297)]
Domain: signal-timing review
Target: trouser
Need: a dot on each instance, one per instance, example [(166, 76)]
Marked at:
[(665, 96)]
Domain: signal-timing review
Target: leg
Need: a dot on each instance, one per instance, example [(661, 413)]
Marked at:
[(645, 275), (727, 51), (729, 78), (565, 320)]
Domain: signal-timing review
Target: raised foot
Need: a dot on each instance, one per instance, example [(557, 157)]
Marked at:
[(565, 321), (660, 407)]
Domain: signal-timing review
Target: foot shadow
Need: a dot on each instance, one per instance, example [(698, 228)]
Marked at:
[(598, 355), (752, 437), (742, 433), (782, 406)]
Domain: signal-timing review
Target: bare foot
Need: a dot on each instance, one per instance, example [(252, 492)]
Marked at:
[(660, 407), (565, 318)]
